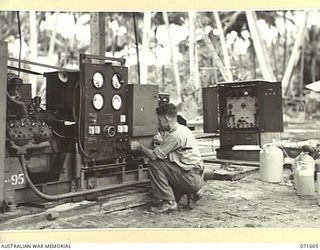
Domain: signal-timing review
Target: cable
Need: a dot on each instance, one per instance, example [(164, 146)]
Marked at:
[(75, 118), (137, 45), (59, 135), (41, 92), (282, 147), (51, 116), (120, 78), (20, 48), (23, 164), (79, 123)]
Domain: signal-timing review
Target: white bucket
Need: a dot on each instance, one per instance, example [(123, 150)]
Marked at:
[(302, 162), (305, 182), (318, 185), (271, 163), (317, 165)]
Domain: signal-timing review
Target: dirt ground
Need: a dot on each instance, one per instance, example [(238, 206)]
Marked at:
[(248, 202), (245, 203)]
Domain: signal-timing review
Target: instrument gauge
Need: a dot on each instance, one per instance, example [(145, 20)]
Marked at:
[(116, 81), (98, 80), (98, 101), (116, 102), (63, 76)]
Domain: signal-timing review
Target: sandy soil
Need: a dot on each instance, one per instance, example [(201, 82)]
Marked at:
[(248, 202)]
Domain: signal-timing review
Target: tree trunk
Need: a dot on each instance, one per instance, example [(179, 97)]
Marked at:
[(51, 48), (197, 77), (275, 60), (173, 60), (302, 70), (295, 55), (33, 49), (53, 40), (193, 56), (145, 47), (191, 46), (217, 62), (215, 57), (224, 47), (97, 30), (261, 52), (285, 43)]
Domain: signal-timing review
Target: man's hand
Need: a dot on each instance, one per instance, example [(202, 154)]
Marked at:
[(135, 146), (157, 139)]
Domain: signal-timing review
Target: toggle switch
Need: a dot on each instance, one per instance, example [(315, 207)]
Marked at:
[(97, 130), (125, 128), (91, 130), (120, 129), (123, 118)]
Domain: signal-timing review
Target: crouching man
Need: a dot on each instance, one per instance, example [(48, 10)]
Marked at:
[(175, 166)]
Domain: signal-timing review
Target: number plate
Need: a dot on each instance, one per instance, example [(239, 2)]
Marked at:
[(15, 180)]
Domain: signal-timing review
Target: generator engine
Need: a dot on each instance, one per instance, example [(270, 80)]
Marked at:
[(79, 144), (244, 113), (28, 132)]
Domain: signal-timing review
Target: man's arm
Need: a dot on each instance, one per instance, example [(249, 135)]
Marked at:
[(161, 151), (145, 151)]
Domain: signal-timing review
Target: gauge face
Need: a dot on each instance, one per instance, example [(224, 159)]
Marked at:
[(98, 101), (116, 102), (98, 80), (116, 81), (63, 77)]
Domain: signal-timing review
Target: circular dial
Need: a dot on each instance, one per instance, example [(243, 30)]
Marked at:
[(63, 77), (109, 131), (116, 81), (116, 102), (98, 101), (98, 80)]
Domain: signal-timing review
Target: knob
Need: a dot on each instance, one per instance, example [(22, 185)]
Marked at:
[(109, 131)]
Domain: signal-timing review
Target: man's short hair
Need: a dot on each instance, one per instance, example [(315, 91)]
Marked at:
[(167, 109)]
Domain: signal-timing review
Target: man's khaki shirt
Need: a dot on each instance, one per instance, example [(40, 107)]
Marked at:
[(180, 146)]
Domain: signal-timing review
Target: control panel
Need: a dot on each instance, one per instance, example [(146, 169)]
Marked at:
[(240, 111), (239, 108), (104, 125)]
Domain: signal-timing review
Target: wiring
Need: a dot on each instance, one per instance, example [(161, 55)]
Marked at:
[(60, 135), (51, 116), (282, 147), (42, 91), (121, 81), (75, 118), (79, 123)]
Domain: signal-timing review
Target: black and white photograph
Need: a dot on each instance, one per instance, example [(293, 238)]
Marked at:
[(159, 119)]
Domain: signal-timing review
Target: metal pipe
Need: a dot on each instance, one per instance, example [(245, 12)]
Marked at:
[(137, 46), (23, 149), (77, 163), (41, 64), (71, 194)]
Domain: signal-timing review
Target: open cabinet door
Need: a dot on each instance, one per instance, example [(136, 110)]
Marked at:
[(270, 107), (142, 103), (210, 109)]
